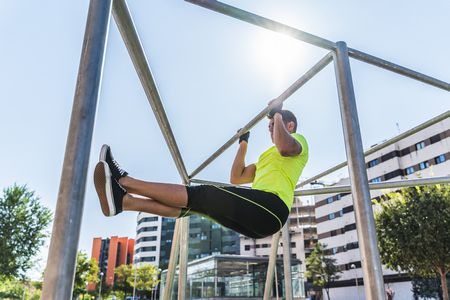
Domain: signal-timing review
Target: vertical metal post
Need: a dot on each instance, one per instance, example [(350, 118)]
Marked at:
[(287, 262), (365, 223), (174, 253), (60, 269), (184, 245), (271, 266)]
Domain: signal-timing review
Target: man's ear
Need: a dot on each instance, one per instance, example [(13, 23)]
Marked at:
[(290, 126)]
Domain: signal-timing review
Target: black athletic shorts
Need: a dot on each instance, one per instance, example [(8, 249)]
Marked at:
[(253, 213)]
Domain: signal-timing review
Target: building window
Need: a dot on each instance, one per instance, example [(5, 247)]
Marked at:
[(293, 245), (373, 162), (247, 247), (338, 197), (409, 170), (330, 200), (150, 258), (436, 138), (420, 145), (331, 216), (424, 165), (440, 159), (378, 179), (148, 219)]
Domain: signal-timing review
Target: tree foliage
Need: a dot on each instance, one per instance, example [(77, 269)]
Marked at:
[(146, 277), (413, 231), (12, 288), (86, 272), (23, 220), (321, 269)]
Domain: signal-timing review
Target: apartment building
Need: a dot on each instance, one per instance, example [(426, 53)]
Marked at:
[(302, 230), (111, 253), (148, 238), (423, 154), (154, 237)]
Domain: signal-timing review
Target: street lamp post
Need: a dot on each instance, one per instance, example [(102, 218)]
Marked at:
[(100, 288), (353, 266)]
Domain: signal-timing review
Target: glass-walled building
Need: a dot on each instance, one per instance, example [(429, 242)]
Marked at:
[(235, 277), (206, 238)]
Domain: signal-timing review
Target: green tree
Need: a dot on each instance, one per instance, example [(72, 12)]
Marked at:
[(321, 269), (23, 220), (413, 231), (86, 272), (12, 288), (146, 277), (122, 273)]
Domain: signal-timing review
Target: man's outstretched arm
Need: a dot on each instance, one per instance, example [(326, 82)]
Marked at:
[(239, 172), (285, 143)]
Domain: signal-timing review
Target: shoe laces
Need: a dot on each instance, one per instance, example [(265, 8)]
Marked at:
[(118, 168)]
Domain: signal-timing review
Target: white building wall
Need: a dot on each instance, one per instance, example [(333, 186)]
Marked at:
[(142, 247), (403, 289)]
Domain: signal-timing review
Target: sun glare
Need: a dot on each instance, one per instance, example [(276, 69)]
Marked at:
[(277, 54)]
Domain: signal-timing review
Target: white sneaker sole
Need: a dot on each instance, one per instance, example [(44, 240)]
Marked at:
[(103, 152), (102, 182)]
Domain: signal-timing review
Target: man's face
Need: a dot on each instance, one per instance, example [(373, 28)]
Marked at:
[(271, 128)]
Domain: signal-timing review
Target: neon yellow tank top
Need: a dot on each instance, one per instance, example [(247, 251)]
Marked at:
[(279, 175)]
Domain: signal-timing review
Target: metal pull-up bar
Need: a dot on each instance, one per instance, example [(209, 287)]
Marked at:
[(59, 274), (286, 94), (254, 19)]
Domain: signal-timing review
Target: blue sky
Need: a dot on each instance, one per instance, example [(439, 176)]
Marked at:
[(214, 74)]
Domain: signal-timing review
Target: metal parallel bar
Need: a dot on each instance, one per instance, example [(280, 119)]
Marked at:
[(365, 223), (60, 270), (130, 36), (314, 40), (384, 64), (254, 19), (375, 186), (286, 94), (288, 292), (271, 266), (216, 183), (347, 188), (374, 149)]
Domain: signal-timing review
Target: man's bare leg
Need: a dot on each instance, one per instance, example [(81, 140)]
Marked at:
[(174, 195), (151, 206)]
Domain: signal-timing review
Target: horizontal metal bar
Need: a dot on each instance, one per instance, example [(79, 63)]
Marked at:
[(375, 186), (286, 94), (380, 146), (397, 69), (130, 36), (254, 19), (216, 183)]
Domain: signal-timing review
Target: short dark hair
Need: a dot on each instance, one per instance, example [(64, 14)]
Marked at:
[(288, 116)]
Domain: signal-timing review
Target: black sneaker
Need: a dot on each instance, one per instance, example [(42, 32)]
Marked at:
[(109, 191), (106, 155)]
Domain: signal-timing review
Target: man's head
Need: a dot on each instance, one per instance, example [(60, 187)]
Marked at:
[(289, 120)]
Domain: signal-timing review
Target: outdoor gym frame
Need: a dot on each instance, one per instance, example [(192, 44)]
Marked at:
[(60, 270)]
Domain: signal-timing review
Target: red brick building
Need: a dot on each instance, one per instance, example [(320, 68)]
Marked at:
[(111, 253)]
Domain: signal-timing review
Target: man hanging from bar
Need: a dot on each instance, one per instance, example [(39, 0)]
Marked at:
[(257, 212)]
